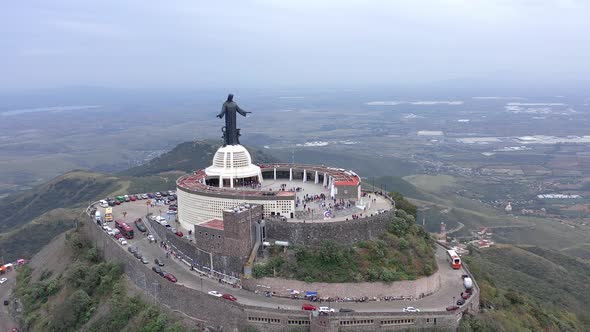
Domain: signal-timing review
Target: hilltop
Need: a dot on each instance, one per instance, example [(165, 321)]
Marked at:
[(32, 218)]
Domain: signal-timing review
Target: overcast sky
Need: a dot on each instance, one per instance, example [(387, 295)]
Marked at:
[(193, 44)]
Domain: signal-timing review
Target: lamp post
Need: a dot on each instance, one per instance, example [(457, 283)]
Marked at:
[(453, 301)]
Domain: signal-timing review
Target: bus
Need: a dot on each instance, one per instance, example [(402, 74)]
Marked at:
[(125, 229), (108, 215), (453, 259)]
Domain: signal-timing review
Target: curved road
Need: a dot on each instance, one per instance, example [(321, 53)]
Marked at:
[(451, 282)]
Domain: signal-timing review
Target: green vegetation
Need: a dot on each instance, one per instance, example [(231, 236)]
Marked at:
[(529, 289), (187, 157), (89, 295), (404, 252)]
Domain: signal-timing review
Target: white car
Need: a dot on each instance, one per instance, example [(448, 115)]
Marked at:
[(411, 309), (3, 280), (107, 229), (122, 241), (214, 293), (171, 212), (103, 203), (326, 309)]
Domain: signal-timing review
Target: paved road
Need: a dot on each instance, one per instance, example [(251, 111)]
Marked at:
[(6, 321), (451, 282)]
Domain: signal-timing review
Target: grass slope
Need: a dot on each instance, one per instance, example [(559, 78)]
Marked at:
[(530, 289), (84, 294), (404, 252)]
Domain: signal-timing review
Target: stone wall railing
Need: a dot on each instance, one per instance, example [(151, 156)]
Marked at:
[(345, 232)]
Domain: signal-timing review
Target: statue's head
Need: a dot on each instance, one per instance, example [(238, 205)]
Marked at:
[(230, 97)]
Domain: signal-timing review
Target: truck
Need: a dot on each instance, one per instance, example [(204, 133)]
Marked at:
[(468, 283), (108, 215)]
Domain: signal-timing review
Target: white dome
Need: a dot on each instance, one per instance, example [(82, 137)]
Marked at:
[(232, 161)]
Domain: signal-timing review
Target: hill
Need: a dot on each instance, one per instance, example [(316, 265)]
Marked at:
[(69, 287), (188, 157), (529, 289)]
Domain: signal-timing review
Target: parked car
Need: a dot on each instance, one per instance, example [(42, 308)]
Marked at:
[(346, 310), (171, 211), (122, 241), (164, 194), (229, 297), (140, 226), (144, 260), (460, 302), (326, 310), (179, 233), (170, 277), (3, 280), (452, 308), (150, 195), (144, 196), (465, 296), (5, 302), (214, 293), (158, 194), (172, 198), (117, 202), (157, 269), (411, 309), (111, 202), (103, 203), (132, 250), (127, 199), (151, 238), (137, 254), (158, 262), (309, 307), (120, 199), (172, 208), (118, 236), (132, 198)]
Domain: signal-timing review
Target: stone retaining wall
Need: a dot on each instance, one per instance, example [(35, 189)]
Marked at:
[(407, 288), (345, 232), (225, 264)]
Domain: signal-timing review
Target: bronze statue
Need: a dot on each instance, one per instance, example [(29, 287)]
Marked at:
[(231, 134)]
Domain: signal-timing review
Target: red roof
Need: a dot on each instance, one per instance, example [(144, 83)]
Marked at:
[(213, 223)]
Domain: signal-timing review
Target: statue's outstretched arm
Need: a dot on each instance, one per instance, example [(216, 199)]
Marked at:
[(220, 115), (241, 111)]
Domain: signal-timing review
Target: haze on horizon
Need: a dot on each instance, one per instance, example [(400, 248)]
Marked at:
[(197, 44)]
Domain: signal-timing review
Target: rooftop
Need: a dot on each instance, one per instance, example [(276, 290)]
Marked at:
[(213, 223)]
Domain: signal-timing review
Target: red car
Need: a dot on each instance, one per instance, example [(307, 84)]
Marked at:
[(229, 297), (310, 307), (465, 296), (179, 233), (118, 236), (452, 308), (133, 198), (117, 202), (170, 277)]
